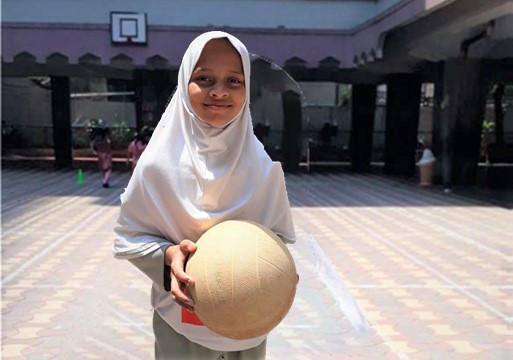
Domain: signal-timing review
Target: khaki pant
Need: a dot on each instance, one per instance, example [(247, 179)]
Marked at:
[(171, 345)]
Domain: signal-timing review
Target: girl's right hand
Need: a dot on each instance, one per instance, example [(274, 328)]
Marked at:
[(175, 257)]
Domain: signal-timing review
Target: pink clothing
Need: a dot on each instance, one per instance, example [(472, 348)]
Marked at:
[(102, 146), (135, 150), (105, 161)]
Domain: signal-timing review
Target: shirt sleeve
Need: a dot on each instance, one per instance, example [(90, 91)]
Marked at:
[(153, 266)]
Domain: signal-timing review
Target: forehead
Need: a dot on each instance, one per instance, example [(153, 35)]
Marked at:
[(219, 50)]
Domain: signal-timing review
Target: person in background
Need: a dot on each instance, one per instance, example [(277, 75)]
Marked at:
[(101, 146), (137, 146)]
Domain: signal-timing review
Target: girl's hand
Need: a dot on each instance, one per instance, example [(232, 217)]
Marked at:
[(175, 257)]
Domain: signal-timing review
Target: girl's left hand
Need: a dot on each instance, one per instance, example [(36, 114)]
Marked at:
[(175, 257)]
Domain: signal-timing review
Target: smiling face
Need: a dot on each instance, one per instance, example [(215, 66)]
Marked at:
[(217, 91)]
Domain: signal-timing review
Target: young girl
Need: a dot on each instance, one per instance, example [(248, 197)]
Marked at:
[(137, 146), (203, 166), (101, 146)]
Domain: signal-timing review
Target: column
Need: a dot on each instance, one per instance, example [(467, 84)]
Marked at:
[(61, 122), (291, 137), (153, 89), (462, 116), (362, 126), (402, 121), (436, 130)]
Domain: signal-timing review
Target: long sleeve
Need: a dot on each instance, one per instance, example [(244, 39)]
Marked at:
[(153, 266)]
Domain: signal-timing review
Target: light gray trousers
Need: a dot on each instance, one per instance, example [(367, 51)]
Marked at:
[(170, 345)]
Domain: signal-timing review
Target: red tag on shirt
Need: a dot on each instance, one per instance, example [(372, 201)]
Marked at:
[(190, 318)]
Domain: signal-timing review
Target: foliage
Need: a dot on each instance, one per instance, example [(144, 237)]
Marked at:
[(488, 126), (121, 134)]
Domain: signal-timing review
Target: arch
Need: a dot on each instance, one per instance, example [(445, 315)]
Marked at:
[(356, 61), (295, 62), (258, 62), (329, 62), (57, 58), (371, 55), (25, 58), (157, 62), (363, 57), (381, 45), (122, 61), (89, 59)]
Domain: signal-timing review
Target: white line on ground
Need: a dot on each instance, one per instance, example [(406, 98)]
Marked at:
[(50, 286), (430, 269), (375, 235), (112, 349), (409, 286), (406, 195), (342, 296), (126, 319), (27, 264), (45, 213)]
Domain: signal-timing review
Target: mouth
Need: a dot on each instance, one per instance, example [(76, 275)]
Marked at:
[(217, 107)]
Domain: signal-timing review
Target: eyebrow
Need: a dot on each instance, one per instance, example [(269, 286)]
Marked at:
[(199, 68)]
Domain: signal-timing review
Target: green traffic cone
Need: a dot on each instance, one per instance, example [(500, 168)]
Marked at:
[(80, 177)]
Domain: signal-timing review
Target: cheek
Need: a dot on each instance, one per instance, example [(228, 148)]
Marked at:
[(194, 92), (195, 98), (240, 100)]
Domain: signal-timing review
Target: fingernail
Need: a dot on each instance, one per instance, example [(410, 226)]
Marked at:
[(189, 302)]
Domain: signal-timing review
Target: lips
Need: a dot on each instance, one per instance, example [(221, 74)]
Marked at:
[(217, 107)]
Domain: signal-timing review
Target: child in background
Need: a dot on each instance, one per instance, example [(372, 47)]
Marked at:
[(137, 146), (101, 146), (203, 166)]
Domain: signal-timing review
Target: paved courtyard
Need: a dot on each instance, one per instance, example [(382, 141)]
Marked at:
[(431, 271)]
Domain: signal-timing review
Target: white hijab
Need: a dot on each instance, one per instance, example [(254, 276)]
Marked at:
[(192, 176)]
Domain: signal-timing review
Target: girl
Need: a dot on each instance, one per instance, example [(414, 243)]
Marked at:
[(203, 166), (137, 146), (101, 146)]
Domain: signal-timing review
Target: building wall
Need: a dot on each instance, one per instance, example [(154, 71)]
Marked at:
[(349, 31), (293, 14)]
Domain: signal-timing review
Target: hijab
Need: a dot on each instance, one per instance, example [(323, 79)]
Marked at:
[(193, 176)]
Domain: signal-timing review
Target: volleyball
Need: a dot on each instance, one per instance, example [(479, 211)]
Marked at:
[(245, 279)]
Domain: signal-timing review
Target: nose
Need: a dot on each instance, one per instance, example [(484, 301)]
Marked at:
[(218, 90)]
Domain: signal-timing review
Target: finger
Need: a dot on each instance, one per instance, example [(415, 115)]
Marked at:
[(187, 246), (185, 306), (177, 268), (178, 295)]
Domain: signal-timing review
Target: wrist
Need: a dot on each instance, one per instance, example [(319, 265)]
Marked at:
[(168, 255)]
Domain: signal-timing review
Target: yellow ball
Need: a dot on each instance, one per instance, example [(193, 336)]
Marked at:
[(245, 279)]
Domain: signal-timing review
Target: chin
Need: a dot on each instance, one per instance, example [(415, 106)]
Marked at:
[(217, 122)]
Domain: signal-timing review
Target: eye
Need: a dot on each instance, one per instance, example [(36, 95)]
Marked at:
[(203, 78), (235, 82)]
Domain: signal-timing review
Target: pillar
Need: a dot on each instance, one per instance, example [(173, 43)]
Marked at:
[(362, 126), (462, 116), (62, 143), (153, 89), (436, 130), (402, 121), (291, 137)]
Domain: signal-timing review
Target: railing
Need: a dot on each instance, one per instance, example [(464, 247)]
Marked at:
[(315, 150)]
